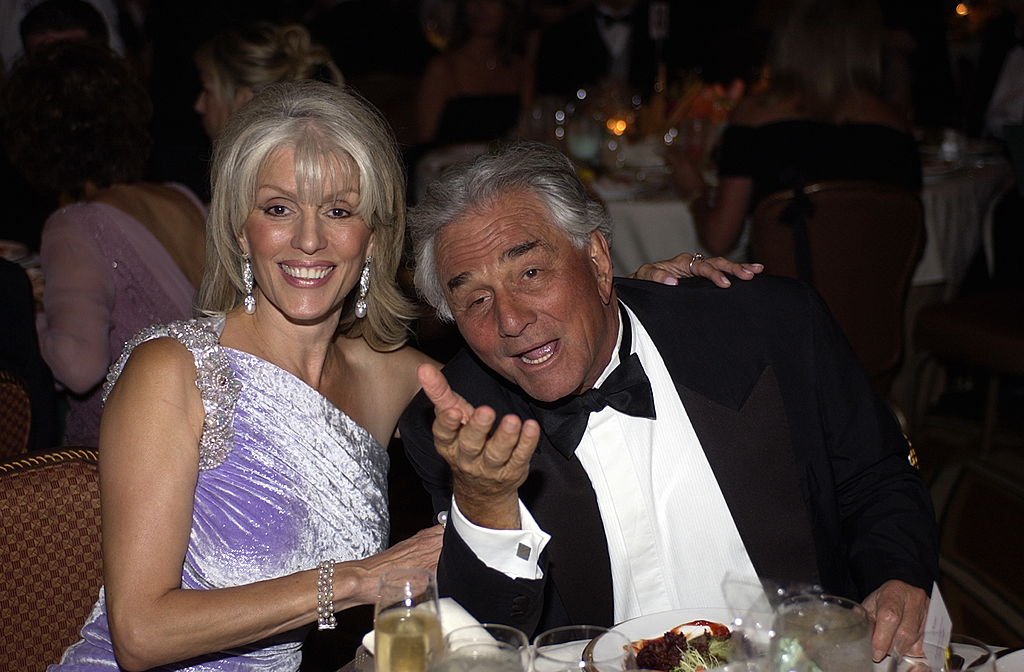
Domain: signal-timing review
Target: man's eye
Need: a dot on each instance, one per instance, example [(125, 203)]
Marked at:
[(531, 273)]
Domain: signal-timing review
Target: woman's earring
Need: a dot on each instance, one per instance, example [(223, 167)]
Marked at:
[(249, 303), (364, 284)]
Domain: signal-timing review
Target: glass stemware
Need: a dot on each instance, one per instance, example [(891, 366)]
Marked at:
[(487, 647), (821, 632), (406, 625), (965, 653), (587, 648)]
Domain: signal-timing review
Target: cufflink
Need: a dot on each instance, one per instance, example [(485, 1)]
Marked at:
[(523, 552)]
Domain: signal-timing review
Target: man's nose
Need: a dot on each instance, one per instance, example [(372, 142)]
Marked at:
[(513, 315)]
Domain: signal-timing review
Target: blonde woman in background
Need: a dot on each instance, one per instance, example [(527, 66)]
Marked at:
[(237, 63), (820, 116)]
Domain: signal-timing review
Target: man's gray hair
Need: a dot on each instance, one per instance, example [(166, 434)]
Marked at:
[(468, 188)]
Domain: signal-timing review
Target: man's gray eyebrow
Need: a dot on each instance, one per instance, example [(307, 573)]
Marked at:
[(521, 249), (458, 281)]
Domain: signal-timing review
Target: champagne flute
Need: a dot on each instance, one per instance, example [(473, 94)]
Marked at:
[(406, 624)]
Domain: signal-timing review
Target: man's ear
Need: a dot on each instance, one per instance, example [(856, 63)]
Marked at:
[(601, 258)]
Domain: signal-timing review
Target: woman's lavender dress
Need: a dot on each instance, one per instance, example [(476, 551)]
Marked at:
[(285, 480)]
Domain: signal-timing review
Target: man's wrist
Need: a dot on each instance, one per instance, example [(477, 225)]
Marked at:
[(497, 513)]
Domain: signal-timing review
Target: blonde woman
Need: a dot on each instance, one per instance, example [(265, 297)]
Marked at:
[(237, 63), (243, 460), (820, 117)]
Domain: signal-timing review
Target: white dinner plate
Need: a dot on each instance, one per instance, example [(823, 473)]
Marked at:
[(656, 625), (1012, 662)]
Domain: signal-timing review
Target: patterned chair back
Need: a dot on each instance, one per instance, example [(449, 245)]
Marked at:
[(50, 553), (15, 416)]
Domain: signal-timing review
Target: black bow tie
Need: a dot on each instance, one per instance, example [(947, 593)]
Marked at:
[(609, 20), (626, 389)]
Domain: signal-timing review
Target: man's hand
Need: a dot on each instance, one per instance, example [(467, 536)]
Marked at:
[(897, 611), (668, 271), (487, 469)]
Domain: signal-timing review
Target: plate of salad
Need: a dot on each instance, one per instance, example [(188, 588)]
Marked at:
[(681, 640)]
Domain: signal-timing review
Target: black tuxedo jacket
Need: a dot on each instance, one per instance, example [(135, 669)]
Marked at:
[(811, 464)]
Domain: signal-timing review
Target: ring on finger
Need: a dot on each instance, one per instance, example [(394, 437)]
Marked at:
[(695, 258)]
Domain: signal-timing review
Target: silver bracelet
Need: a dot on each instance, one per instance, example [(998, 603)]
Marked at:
[(325, 619), (695, 257)]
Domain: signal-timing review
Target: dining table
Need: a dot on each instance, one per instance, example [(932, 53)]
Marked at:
[(657, 224)]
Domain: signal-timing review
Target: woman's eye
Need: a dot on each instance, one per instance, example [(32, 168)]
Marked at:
[(338, 213), (276, 210)]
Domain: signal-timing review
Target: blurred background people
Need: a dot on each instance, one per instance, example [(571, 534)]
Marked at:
[(119, 254), (473, 91), (19, 354), (28, 24), (236, 63), (819, 116)]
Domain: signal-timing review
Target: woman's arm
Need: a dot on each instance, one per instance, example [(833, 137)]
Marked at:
[(77, 299), (718, 214), (148, 473), (435, 89)]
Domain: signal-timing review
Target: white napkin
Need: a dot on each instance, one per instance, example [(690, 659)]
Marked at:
[(452, 616)]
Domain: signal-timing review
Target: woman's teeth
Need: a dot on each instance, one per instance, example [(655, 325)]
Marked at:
[(307, 272)]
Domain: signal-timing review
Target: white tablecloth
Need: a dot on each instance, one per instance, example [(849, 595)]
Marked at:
[(954, 209)]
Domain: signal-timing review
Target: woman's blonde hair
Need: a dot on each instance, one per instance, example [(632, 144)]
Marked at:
[(260, 54), (333, 134), (827, 50)]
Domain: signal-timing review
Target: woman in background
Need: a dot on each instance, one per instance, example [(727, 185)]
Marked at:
[(473, 92), (119, 254), (820, 117), (237, 63)]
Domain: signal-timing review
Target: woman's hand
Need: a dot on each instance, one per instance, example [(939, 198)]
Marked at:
[(690, 265), (356, 582)]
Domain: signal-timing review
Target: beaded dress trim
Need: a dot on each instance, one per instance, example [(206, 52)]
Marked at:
[(214, 378)]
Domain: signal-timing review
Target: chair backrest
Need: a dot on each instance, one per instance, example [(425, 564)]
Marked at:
[(50, 555), (980, 509), (858, 244), (15, 416)]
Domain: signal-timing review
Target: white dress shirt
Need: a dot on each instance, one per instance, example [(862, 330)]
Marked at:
[(671, 538)]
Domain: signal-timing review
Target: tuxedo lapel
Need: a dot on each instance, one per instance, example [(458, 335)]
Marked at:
[(751, 454)]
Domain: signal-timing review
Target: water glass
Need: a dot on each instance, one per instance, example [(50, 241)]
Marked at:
[(589, 648), (965, 653), (485, 647), (821, 632), (406, 624)]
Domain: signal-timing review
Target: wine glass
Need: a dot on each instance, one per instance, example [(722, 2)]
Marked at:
[(964, 653), (487, 647), (821, 632), (586, 648), (406, 624)]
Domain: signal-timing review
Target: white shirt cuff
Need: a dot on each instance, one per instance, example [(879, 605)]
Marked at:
[(514, 553)]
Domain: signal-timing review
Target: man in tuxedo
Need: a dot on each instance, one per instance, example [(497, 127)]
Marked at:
[(652, 439), (607, 40)]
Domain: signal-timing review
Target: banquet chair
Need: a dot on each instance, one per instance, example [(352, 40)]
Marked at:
[(49, 553), (980, 509), (857, 243), (984, 332), (15, 415)]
